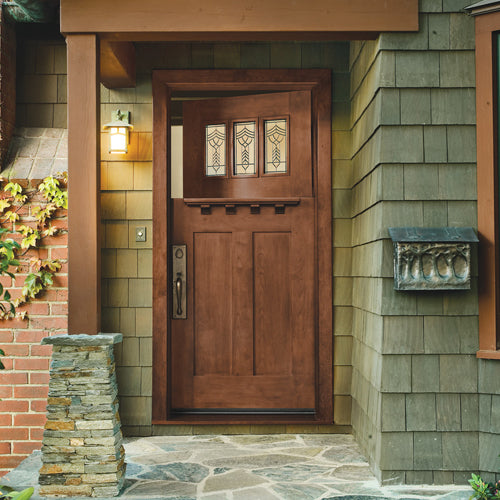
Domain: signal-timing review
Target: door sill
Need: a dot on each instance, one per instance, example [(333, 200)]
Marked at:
[(243, 411), (227, 419)]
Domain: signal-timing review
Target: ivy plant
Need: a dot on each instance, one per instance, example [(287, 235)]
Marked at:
[(6, 492), (30, 235), (483, 490)]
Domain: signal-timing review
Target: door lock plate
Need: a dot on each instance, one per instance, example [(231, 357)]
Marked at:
[(179, 282)]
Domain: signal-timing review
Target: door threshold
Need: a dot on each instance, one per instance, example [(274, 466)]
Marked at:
[(228, 419), (242, 411)]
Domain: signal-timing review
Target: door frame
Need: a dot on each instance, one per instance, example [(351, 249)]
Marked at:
[(319, 83)]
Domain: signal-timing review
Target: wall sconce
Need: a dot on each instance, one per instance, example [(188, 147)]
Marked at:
[(119, 128)]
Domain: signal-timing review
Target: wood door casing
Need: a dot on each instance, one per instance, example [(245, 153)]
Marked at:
[(318, 83)]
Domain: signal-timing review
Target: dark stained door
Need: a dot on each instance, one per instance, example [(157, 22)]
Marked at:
[(248, 222)]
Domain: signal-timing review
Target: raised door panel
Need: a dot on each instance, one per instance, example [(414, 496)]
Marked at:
[(212, 303)]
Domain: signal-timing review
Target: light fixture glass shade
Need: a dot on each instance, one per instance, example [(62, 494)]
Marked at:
[(119, 129), (118, 140)]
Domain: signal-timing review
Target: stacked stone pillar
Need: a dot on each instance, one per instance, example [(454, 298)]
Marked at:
[(82, 451)]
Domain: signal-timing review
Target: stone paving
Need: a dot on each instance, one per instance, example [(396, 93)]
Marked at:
[(248, 467)]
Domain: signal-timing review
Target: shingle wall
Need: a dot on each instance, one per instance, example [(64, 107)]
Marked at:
[(415, 375), (127, 203), (41, 84)]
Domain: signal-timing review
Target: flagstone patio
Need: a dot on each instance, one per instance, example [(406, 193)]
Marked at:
[(248, 467)]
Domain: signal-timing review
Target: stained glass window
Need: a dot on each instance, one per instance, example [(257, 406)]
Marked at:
[(275, 146), (244, 148), (215, 160)]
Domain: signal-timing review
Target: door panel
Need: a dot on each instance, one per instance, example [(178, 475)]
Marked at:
[(249, 340), (212, 303), (272, 305)]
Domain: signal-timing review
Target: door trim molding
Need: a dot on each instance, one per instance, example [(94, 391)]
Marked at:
[(319, 83)]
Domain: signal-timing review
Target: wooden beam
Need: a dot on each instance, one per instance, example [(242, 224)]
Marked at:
[(117, 64), (487, 204), (238, 36), (226, 16), (84, 187)]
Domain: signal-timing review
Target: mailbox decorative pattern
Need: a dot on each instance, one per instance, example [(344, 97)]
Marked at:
[(432, 258)]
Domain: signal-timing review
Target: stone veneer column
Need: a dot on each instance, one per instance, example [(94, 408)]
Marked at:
[(82, 450)]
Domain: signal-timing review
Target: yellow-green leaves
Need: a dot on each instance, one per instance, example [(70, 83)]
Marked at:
[(30, 235), (50, 187), (4, 204)]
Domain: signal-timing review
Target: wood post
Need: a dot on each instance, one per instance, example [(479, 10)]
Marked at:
[(84, 222)]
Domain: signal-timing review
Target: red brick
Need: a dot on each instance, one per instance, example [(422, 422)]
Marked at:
[(35, 308), (60, 281), (8, 364), (38, 253), (5, 391), (11, 378), (39, 378), (61, 224), (41, 350), (15, 433), (4, 448), (36, 434), (25, 447), (5, 419), (49, 323), (64, 267), (31, 391), (24, 211), (31, 364), (62, 295), (16, 322), (30, 336), (39, 405), (30, 419), (11, 461), (60, 239), (6, 281), (59, 309), (15, 349), (59, 253), (13, 405), (6, 336)]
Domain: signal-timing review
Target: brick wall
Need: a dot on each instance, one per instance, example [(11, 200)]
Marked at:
[(24, 382)]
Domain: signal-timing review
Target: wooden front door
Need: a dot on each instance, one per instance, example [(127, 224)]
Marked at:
[(251, 340), (247, 343)]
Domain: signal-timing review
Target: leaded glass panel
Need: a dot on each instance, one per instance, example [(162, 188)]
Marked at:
[(275, 149), (244, 148), (215, 159)]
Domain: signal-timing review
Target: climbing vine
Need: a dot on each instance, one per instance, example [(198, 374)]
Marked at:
[(17, 239)]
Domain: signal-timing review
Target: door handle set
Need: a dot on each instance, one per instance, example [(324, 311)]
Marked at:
[(179, 298), (178, 293)]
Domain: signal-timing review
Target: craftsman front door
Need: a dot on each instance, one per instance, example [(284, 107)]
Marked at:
[(245, 342), (242, 299)]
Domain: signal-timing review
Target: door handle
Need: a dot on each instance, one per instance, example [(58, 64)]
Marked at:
[(179, 282), (178, 293)]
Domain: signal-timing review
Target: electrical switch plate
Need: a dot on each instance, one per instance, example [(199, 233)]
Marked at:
[(140, 233)]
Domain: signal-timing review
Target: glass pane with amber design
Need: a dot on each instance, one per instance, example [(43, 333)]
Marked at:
[(275, 150), (244, 148), (215, 150)]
